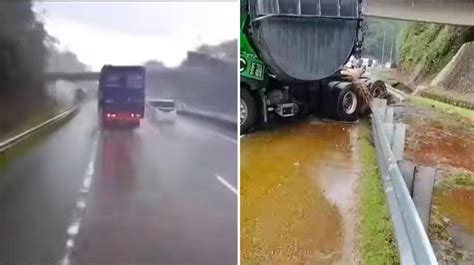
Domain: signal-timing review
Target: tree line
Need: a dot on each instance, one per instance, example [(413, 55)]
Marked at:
[(27, 51)]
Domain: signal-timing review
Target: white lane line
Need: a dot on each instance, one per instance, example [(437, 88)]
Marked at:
[(225, 183), (78, 211)]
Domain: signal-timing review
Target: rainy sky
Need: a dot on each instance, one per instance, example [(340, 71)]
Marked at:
[(132, 33)]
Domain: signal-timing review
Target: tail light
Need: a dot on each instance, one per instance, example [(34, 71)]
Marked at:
[(132, 115), (108, 115), (137, 115)]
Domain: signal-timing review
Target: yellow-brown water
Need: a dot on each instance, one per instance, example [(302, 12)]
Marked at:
[(459, 205), (297, 185)]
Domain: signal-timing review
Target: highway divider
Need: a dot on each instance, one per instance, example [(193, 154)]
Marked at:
[(220, 118), (9, 143), (412, 240)]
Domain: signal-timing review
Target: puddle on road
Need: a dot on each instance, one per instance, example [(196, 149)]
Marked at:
[(296, 189)]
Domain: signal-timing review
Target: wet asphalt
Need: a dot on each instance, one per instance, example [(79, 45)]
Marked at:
[(161, 194)]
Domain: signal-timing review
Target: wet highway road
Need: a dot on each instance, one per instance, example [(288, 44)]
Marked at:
[(162, 194)]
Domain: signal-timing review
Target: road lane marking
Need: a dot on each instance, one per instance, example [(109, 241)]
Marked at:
[(220, 135), (80, 205), (226, 184), (223, 136)]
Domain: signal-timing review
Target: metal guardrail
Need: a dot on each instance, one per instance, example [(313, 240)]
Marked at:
[(5, 145), (181, 108), (413, 244), (210, 115)]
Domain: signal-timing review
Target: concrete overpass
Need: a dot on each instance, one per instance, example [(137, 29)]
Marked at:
[(72, 77), (456, 12)]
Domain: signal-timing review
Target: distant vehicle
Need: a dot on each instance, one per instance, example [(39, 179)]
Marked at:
[(121, 99), (164, 109), (365, 63), (79, 94), (390, 65)]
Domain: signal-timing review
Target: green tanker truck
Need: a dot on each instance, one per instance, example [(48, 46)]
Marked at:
[(291, 56)]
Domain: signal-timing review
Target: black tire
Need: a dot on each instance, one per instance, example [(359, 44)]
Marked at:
[(347, 105), (378, 89), (250, 108), (329, 96)]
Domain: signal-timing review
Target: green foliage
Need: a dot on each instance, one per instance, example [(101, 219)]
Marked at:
[(64, 61), (26, 52), (442, 107), (22, 60), (377, 242), (457, 180), (430, 47), (448, 99), (22, 49), (373, 43)]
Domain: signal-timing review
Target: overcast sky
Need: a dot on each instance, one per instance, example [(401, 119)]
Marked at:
[(132, 33)]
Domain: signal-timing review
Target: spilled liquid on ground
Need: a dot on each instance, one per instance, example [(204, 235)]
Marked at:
[(446, 142), (296, 185), (459, 205), (441, 142), (437, 142)]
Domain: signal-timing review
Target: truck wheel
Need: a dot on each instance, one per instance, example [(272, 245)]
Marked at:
[(248, 111), (378, 89), (347, 105)]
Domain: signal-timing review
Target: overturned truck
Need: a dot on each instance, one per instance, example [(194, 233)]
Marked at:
[(291, 56)]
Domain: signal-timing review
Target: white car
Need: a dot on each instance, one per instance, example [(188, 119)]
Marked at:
[(164, 109)]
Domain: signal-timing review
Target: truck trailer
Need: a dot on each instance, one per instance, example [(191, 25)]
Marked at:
[(121, 95), (292, 53)]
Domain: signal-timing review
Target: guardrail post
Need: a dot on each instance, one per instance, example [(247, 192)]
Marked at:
[(423, 192), (398, 141), (408, 171), (388, 115)]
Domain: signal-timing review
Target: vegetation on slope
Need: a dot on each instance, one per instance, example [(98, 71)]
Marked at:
[(425, 48), (374, 39), (23, 56), (26, 53)]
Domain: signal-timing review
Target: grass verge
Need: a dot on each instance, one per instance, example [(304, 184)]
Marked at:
[(440, 106), (457, 180), (35, 119), (25, 145), (377, 241)]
